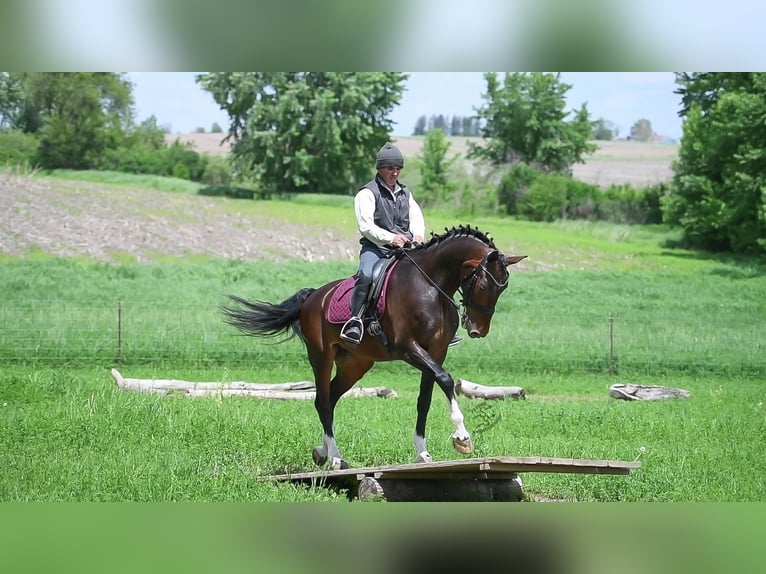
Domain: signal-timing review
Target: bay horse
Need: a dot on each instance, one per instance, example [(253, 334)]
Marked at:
[(419, 320)]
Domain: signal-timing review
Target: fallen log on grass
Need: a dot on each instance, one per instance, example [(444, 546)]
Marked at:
[(301, 390), (645, 392), (476, 391)]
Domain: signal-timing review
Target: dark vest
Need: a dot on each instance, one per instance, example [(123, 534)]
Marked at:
[(392, 212)]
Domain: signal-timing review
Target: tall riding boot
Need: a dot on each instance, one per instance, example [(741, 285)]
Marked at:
[(353, 330)]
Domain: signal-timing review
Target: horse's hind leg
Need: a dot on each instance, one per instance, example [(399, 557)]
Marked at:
[(349, 370), (328, 450)]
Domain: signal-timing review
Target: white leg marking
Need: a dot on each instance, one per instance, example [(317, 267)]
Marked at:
[(456, 416), (421, 450), (333, 454)]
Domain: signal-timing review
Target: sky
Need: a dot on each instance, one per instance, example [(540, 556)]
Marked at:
[(182, 106)]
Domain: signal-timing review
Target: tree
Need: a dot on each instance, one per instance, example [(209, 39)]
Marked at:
[(420, 126), (215, 128), (438, 123), (11, 100), (641, 130), (525, 121), (470, 126), (603, 130), (718, 196), (435, 186), (456, 126), (306, 131), (77, 115)]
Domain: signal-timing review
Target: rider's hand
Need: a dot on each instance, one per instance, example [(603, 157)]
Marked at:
[(399, 240), (417, 240)]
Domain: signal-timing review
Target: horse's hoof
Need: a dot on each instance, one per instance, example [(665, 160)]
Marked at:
[(319, 458), (338, 464), (424, 457), (462, 446)]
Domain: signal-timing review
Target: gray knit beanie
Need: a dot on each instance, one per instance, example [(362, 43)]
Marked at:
[(389, 156)]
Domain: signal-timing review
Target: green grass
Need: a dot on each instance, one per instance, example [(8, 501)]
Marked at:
[(679, 318), (71, 435), (159, 183)]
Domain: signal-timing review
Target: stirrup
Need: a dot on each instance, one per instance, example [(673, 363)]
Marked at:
[(455, 340), (352, 331)]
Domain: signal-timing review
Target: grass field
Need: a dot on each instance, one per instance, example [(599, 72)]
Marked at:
[(679, 318)]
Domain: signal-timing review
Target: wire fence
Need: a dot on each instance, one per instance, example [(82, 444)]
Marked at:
[(56, 333)]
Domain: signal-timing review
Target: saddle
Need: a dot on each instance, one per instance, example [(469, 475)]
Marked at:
[(339, 310)]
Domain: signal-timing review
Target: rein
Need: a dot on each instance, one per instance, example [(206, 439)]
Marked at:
[(466, 300)]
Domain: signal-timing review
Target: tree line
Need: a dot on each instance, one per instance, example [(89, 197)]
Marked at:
[(451, 126), (86, 121), (469, 126), (317, 132)]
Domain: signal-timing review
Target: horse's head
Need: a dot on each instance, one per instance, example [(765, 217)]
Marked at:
[(482, 282)]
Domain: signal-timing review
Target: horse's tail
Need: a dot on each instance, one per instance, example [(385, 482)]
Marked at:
[(267, 319)]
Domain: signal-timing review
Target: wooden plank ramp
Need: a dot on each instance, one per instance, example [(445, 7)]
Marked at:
[(494, 478)]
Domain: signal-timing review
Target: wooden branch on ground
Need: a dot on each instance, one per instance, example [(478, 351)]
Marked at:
[(301, 390), (646, 392), (475, 391)]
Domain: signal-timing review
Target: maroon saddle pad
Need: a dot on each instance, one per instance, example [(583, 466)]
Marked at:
[(339, 310)]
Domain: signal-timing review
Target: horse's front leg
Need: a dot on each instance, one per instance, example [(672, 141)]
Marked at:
[(419, 358)]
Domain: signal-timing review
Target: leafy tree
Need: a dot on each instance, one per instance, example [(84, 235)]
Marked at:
[(642, 130), (306, 131), (438, 123), (11, 100), (705, 88), (420, 126), (603, 130), (718, 194), (456, 126), (215, 128), (470, 126), (76, 116), (435, 186), (525, 121)]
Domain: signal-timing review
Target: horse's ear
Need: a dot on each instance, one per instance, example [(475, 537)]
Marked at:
[(513, 259)]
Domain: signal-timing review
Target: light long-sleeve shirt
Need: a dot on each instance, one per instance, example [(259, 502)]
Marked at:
[(364, 208)]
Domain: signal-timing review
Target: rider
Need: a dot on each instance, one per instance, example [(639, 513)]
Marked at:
[(388, 218)]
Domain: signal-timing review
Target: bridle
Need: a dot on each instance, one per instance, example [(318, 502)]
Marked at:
[(467, 285), (473, 277)]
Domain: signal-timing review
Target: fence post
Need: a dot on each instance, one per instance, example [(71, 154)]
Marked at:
[(119, 331), (611, 347)]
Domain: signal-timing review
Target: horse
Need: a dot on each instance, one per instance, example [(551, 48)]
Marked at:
[(419, 320)]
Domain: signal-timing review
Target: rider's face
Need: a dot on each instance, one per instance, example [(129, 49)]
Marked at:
[(389, 175)]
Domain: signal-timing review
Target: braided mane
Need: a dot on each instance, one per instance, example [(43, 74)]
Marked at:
[(460, 231)]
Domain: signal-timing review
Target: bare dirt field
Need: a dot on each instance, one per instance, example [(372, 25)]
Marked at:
[(115, 223), (615, 162)]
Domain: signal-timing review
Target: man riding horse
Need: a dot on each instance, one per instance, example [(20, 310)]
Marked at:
[(388, 218)]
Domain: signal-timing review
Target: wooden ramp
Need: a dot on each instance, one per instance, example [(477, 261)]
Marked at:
[(493, 478)]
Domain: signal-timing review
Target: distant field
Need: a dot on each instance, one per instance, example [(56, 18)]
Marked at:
[(615, 162)]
